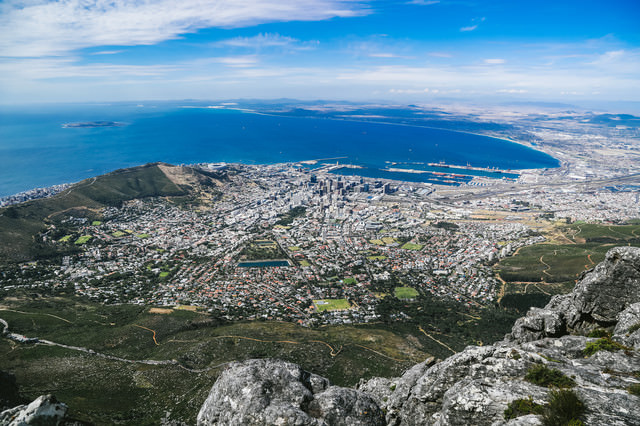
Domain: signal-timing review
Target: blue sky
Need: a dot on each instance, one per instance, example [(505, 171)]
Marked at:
[(408, 51)]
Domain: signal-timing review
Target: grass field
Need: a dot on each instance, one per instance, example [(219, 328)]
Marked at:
[(65, 239), (405, 292), (163, 274), (294, 248), (331, 304), (377, 242), (350, 281), (412, 246), (96, 223), (82, 240), (143, 236), (304, 263), (119, 234), (376, 257)]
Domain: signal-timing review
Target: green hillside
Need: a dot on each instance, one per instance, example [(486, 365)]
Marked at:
[(21, 224)]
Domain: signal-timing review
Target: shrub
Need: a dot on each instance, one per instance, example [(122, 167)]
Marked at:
[(522, 407), (634, 328), (634, 389), (598, 332), (564, 408), (604, 344), (542, 375)]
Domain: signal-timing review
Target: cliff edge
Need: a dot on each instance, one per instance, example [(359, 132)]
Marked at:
[(548, 349)]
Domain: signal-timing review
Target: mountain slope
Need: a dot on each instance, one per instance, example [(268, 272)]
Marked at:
[(21, 224)]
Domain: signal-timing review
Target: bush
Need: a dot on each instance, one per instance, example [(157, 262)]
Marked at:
[(564, 408), (522, 407), (542, 375), (634, 328), (604, 344), (598, 332), (634, 389)]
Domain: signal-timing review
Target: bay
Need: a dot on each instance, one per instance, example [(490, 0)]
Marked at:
[(37, 151)]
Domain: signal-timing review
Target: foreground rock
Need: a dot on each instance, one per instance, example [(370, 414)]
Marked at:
[(475, 386), (272, 392), (44, 410)]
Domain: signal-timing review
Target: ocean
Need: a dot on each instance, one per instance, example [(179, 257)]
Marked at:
[(37, 151)]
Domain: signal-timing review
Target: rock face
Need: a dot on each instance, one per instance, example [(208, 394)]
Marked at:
[(272, 392), (44, 410), (472, 387), (597, 299)]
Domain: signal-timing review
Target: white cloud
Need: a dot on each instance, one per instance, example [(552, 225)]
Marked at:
[(424, 2), (383, 55), (495, 61), (474, 26), (620, 61), (409, 91), (512, 91), (440, 54), (610, 73), (388, 55), (237, 61), (469, 28), (107, 52), (46, 27), (266, 40)]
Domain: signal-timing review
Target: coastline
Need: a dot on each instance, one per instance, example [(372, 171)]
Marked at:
[(289, 151), (501, 138)]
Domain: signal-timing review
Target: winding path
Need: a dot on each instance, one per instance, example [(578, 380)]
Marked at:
[(436, 340), (173, 362), (153, 331)]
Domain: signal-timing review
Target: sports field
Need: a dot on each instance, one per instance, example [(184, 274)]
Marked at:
[(331, 304), (83, 239), (412, 246), (405, 292)]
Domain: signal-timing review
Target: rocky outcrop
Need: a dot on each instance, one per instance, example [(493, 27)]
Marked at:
[(272, 392), (596, 301), (472, 387), (44, 410)]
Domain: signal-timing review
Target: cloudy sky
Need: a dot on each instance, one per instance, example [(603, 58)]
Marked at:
[(108, 50)]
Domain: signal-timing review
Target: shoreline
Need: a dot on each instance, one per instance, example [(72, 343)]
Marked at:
[(521, 143), (48, 185)]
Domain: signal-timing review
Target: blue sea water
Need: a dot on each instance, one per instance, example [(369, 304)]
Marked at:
[(36, 151)]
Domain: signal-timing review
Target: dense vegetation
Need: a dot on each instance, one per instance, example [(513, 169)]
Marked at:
[(452, 323), (261, 250), (287, 218), (105, 391)]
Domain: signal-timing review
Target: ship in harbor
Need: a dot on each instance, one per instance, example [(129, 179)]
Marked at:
[(468, 167)]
